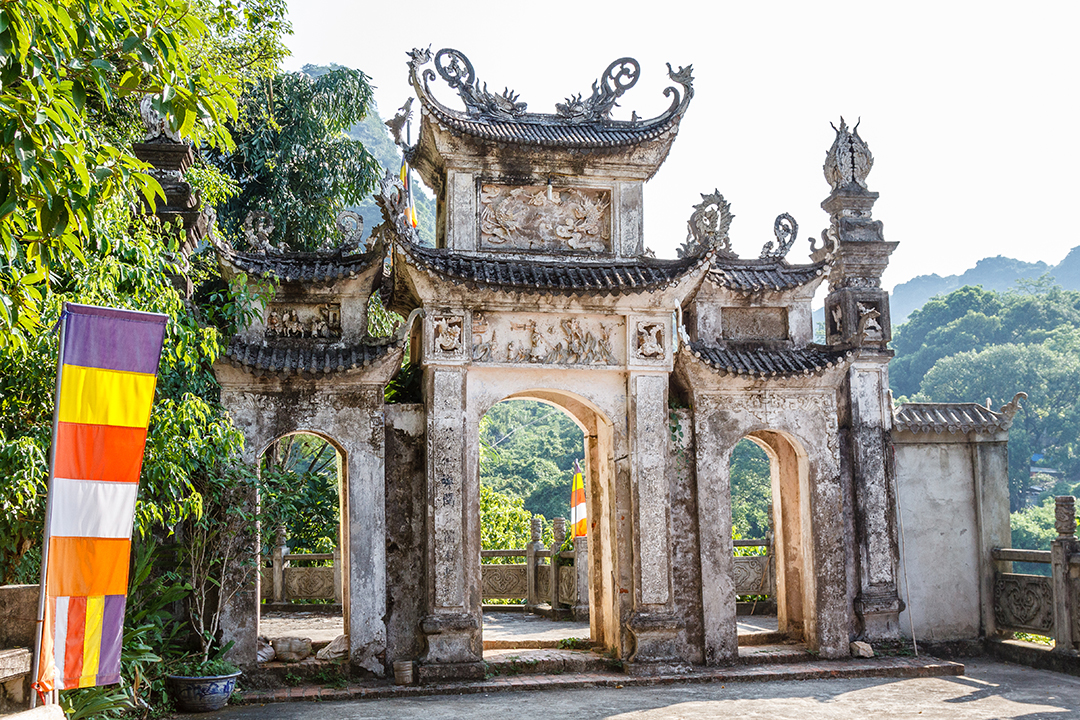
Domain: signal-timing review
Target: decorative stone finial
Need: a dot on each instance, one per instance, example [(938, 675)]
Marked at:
[(1065, 516), (350, 225), (707, 228), (534, 529), (258, 227), (558, 527), (457, 71), (619, 77), (1010, 409), (154, 123), (398, 122), (849, 159), (786, 230)]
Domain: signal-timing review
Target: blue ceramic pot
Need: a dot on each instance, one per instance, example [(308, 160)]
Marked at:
[(201, 694)]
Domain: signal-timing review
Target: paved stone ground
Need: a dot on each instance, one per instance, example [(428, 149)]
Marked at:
[(988, 689)]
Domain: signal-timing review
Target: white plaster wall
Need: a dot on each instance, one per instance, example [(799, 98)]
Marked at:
[(939, 543)]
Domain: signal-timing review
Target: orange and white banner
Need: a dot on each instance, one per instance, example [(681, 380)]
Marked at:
[(578, 516)]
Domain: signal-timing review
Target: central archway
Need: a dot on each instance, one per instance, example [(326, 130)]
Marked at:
[(598, 469)]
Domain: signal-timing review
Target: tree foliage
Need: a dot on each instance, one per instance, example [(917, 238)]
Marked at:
[(292, 158), (751, 491), (528, 450), (71, 74)]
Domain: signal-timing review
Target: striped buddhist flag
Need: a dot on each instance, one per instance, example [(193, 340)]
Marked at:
[(105, 386), (578, 516)]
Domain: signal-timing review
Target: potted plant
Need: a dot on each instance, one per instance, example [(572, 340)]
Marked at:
[(219, 556)]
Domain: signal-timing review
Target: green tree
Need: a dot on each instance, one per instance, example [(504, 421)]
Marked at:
[(292, 158), (751, 490), (71, 74), (504, 522)]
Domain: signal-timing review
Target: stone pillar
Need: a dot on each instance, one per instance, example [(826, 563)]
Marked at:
[(280, 550), (991, 471), (857, 318), (1066, 577), (452, 627), (366, 521), (653, 623), (532, 565), (581, 578), (558, 527)]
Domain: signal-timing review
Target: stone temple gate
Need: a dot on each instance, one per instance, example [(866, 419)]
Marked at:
[(540, 287)]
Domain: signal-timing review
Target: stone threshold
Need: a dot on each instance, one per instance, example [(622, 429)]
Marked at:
[(884, 667)]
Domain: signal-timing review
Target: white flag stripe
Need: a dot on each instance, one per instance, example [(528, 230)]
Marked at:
[(93, 508), (60, 639)]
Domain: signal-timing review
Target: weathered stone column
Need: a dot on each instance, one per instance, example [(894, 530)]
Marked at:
[(452, 626), (1066, 577), (654, 624), (532, 566), (581, 577), (857, 318)]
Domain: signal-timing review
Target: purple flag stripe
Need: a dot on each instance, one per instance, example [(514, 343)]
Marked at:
[(113, 339), (112, 632)]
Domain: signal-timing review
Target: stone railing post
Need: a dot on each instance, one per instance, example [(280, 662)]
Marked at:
[(1066, 589), (280, 550), (558, 526), (532, 564), (581, 577), (337, 574)]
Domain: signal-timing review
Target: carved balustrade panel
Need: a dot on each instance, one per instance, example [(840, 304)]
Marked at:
[(1024, 602), (543, 583), (543, 218), (548, 339), (309, 583), (751, 575), (503, 582), (266, 583), (567, 584)]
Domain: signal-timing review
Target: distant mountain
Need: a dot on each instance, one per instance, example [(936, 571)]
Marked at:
[(995, 273)]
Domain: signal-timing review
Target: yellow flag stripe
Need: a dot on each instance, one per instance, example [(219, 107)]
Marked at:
[(95, 612), (106, 397)]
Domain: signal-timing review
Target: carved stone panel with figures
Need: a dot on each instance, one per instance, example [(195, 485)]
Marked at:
[(649, 341), (447, 336), (522, 338), (300, 320), (542, 218)]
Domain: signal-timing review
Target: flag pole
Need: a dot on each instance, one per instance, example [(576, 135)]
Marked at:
[(48, 515)]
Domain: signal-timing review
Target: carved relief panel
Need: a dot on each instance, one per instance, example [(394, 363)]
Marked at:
[(857, 317), (522, 338), (303, 320), (650, 341), (542, 218), (447, 333)]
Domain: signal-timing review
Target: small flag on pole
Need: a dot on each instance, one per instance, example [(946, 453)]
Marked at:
[(106, 375), (578, 516)]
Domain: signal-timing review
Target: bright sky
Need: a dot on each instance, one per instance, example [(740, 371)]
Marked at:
[(970, 108)]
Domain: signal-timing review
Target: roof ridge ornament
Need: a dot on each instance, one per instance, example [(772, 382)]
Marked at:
[(786, 230), (605, 92), (849, 160), (707, 228), (457, 71)]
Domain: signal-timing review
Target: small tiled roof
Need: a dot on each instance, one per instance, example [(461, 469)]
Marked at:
[(950, 417), (308, 267), (575, 276), (765, 362), (752, 275), (310, 360)]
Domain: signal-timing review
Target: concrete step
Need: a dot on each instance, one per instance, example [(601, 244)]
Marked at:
[(770, 654), (546, 661), (762, 638)]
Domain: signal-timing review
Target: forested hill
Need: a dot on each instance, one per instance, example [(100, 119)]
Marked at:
[(377, 140), (993, 273)]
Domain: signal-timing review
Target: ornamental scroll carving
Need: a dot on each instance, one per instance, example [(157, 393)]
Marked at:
[(544, 218), (520, 339), (304, 321), (567, 585), (503, 582), (707, 228), (1024, 602), (750, 575), (309, 583)]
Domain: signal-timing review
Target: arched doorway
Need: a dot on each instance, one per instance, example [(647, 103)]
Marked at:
[(597, 466), (304, 589)]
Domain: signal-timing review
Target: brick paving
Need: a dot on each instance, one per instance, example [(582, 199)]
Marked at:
[(884, 667)]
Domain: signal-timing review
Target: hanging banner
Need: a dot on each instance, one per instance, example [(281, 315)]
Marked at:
[(106, 375), (578, 516)]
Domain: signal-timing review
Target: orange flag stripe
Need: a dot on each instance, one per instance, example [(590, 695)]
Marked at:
[(99, 452), (82, 566)]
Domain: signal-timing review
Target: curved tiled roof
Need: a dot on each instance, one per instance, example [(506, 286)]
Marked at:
[(321, 266), (575, 276), (310, 360), (952, 417), (763, 274), (765, 362), (510, 124)]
